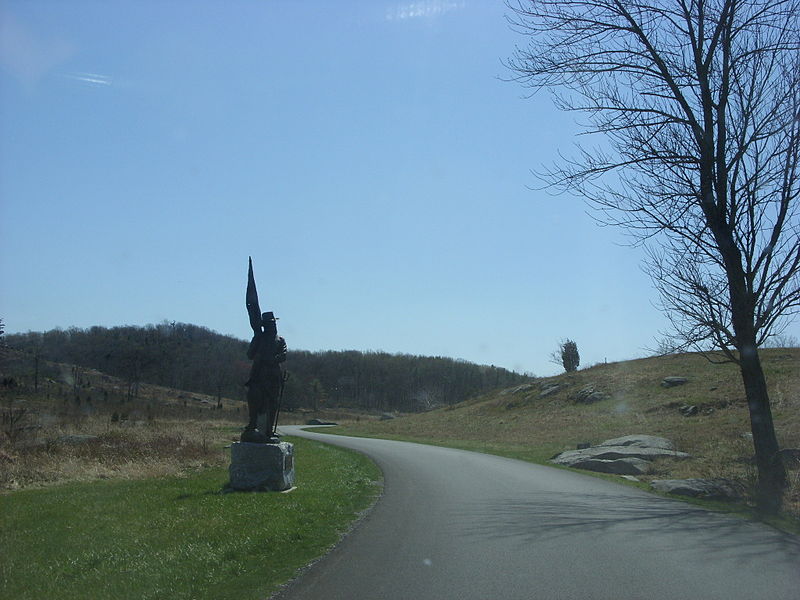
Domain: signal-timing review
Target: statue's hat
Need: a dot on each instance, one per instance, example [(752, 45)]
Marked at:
[(268, 316)]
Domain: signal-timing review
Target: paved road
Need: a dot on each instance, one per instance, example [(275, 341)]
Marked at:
[(460, 525)]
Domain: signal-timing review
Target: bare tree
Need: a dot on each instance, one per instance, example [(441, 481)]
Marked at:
[(782, 340), (698, 106)]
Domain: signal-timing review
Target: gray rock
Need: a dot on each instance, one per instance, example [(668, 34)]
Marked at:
[(640, 441), (570, 457), (387, 417), (668, 382), (689, 410), (261, 466), (620, 466), (590, 395), (525, 387), (595, 397), (712, 489), (627, 455), (319, 422), (550, 388)]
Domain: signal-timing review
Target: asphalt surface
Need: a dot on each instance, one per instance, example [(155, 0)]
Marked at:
[(460, 525)]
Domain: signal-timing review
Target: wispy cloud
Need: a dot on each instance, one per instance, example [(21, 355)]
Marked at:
[(93, 79), (422, 10), (28, 55)]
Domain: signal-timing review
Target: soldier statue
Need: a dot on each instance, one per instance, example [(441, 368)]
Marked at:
[(265, 386)]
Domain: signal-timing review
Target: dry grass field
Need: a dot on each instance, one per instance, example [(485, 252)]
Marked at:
[(528, 423), (98, 449), (75, 424), (78, 425)]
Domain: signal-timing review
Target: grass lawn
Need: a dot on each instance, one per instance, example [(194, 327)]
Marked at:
[(179, 537)]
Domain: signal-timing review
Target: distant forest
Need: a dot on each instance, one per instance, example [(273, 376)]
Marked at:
[(194, 358)]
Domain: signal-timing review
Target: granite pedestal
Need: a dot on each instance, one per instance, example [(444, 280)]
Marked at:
[(261, 466)]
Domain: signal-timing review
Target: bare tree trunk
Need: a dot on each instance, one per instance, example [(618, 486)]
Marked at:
[(771, 472)]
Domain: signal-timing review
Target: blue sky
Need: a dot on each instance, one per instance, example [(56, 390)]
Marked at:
[(367, 155)]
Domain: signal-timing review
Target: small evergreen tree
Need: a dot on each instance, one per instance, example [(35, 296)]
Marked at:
[(567, 356)]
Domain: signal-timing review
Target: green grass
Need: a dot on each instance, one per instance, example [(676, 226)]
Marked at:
[(179, 537)]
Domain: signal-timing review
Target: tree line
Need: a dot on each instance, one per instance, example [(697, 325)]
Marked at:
[(194, 358)]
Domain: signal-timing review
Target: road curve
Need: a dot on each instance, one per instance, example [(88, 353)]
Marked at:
[(463, 525)]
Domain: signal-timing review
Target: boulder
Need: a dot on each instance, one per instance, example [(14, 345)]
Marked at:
[(525, 387), (595, 397), (589, 395), (319, 422), (712, 489), (570, 457), (627, 455), (640, 441), (689, 410), (387, 417), (549, 388), (668, 382), (620, 466)]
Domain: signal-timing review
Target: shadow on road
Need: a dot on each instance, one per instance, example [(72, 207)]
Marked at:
[(665, 522)]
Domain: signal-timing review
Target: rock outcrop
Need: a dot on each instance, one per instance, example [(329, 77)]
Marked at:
[(712, 489), (525, 387), (628, 455), (589, 395), (549, 388), (640, 441), (668, 382), (617, 466)]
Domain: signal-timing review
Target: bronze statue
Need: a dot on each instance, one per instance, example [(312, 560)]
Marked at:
[(265, 387)]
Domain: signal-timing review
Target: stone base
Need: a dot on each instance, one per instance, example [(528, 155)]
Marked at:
[(261, 466)]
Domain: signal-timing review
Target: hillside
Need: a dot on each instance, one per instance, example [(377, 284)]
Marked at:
[(536, 420), (189, 357)]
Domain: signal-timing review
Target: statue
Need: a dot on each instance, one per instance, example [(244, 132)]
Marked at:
[(265, 386)]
